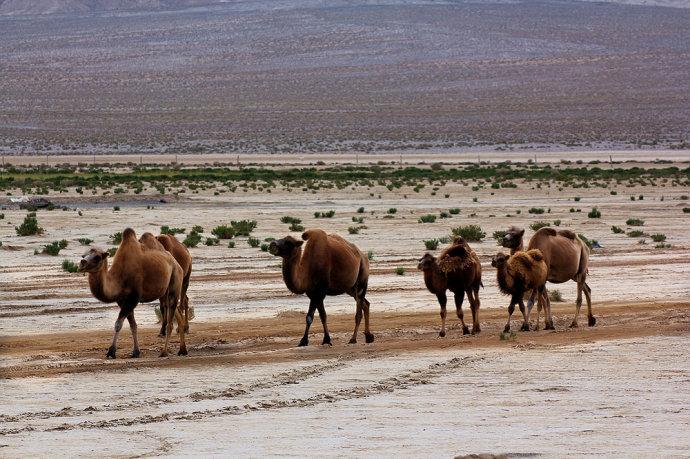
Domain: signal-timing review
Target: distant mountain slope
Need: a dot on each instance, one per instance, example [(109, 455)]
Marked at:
[(21, 7)]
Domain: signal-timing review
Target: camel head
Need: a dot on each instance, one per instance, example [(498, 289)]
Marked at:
[(426, 263), (513, 237), (499, 260), (284, 247), (92, 261)]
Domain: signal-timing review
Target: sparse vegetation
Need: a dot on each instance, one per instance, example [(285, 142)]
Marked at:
[(223, 232), (290, 220), (590, 243), (328, 214), (634, 222), (538, 225), (116, 238), (536, 210), (29, 226), (594, 213), (431, 244), (400, 271), (296, 227), (428, 218), (658, 237), (471, 233), (243, 227), (54, 248), (617, 230), (556, 296), (635, 233), (454, 210), (498, 236), (165, 229), (253, 242), (69, 266), (353, 230), (192, 240), (211, 241)]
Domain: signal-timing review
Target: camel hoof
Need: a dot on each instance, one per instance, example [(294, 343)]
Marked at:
[(369, 337), (442, 333), (465, 331), (303, 342), (592, 321), (135, 354), (186, 330), (506, 329), (476, 330), (549, 327), (182, 352), (111, 353), (326, 340), (573, 325), (525, 327), (163, 354), (352, 341)]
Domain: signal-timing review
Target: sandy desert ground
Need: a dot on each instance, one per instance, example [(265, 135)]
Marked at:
[(620, 388)]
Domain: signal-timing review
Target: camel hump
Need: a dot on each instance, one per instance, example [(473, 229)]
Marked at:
[(313, 233), (535, 254), (129, 233), (567, 233), (548, 231)]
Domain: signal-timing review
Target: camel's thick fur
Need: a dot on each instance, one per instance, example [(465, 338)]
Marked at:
[(137, 275), (567, 257), (520, 273), (457, 269), (327, 265), (170, 244)]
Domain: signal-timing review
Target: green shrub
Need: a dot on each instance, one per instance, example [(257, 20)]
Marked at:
[(253, 242), (686, 210), (231, 244), (662, 245), (197, 229), (634, 222), (223, 232), (243, 227), (54, 248), (264, 247), (640, 197), (469, 232), (116, 208), (69, 266), (370, 255), (358, 219), (353, 230), (590, 243), (392, 210), (296, 227), (576, 199), (454, 210), (116, 238), (594, 213), (499, 235), (556, 296), (400, 271), (431, 244), (29, 226), (536, 210), (538, 225), (165, 229), (428, 218), (360, 210), (632, 198), (328, 214), (556, 223), (85, 241), (210, 241), (192, 239), (2, 216), (288, 219), (617, 230), (635, 233), (658, 237), (112, 251)]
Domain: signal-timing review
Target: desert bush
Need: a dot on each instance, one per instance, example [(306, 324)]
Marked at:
[(400, 271), (538, 225), (231, 244), (454, 210), (556, 223), (353, 230), (328, 214), (576, 199), (444, 239), (264, 247), (634, 222), (210, 241), (85, 241), (112, 251), (658, 237), (556, 296), (590, 243), (116, 238), (288, 219), (686, 210), (69, 266), (635, 233), (54, 248), (617, 230), (431, 244), (358, 219), (192, 239), (243, 227), (469, 232), (165, 229), (296, 227), (360, 210), (29, 226), (223, 232), (370, 255), (428, 218), (2, 216), (253, 242), (499, 235), (536, 210), (116, 208), (197, 229), (392, 210), (594, 213)]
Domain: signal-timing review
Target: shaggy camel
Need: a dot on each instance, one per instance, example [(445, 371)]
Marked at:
[(457, 269), (137, 275), (327, 265), (178, 250), (567, 257), (518, 274)]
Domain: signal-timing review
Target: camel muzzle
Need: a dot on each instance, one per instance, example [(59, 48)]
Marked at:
[(273, 248)]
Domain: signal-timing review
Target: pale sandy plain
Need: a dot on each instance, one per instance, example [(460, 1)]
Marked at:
[(621, 388)]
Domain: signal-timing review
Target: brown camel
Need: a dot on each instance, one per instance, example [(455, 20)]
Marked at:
[(520, 273), (457, 269), (327, 265), (567, 257), (181, 254), (137, 275)]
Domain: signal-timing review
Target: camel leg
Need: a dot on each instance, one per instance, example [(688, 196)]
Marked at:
[(525, 316), (133, 327), (322, 316), (578, 304), (118, 326), (473, 296), (591, 320), (184, 302), (442, 300), (358, 319), (180, 330), (548, 318), (530, 304), (309, 320), (511, 309), (163, 319), (368, 335), (459, 297)]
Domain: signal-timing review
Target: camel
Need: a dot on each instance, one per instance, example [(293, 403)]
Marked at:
[(327, 265), (519, 273), (567, 257), (457, 269), (137, 275), (169, 243)]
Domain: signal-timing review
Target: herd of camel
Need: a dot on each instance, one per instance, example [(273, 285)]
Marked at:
[(159, 267)]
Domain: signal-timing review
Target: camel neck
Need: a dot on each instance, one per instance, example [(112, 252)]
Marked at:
[(519, 248), (501, 278), (102, 286), (292, 270)]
